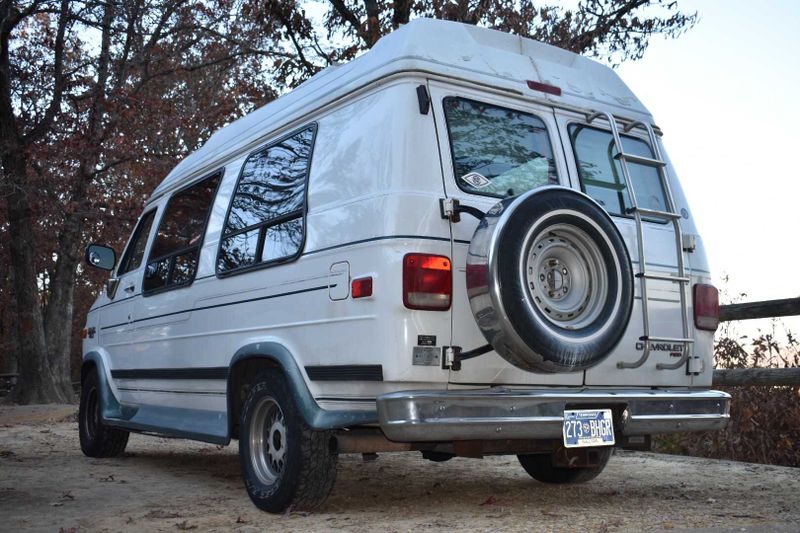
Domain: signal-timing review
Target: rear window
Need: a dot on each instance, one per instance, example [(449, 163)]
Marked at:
[(498, 151), (601, 175)]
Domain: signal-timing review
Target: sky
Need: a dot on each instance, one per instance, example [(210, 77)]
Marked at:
[(725, 95)]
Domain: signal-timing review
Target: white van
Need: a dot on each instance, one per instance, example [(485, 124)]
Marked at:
[(462, 243)]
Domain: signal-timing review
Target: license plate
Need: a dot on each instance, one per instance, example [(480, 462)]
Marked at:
[(588, 427)]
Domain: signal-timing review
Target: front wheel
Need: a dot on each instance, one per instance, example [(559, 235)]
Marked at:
[(97, 439), (285, 464), (541, 468)]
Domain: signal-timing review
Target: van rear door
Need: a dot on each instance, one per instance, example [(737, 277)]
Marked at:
[(590, 153), (489, 130)]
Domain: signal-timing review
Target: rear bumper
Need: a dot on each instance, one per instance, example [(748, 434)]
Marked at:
[(499, 413)]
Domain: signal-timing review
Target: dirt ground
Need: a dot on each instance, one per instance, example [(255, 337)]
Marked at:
[(171, 485)]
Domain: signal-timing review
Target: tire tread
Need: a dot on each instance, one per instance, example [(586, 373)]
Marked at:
[(317, 462), (109, 441), (540, 467)]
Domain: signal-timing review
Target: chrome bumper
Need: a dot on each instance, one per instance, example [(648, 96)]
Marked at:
[(500, 413)]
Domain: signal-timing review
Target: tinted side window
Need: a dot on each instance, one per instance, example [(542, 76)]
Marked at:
[(498, 151), (265, 221), (601, 174), (135, 252), (173, 259)]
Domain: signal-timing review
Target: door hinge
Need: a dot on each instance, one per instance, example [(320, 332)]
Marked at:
[(695, 365), (449, 209), (689, 242), (450, 361)]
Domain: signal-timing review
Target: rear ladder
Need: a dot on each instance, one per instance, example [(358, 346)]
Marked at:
[(682, 279)]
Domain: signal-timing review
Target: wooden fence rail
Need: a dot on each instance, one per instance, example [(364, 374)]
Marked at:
[(759, 376), (765, 309), (770, 377)]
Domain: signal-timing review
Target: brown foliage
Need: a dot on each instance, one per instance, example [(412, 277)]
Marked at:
[(765, 421)]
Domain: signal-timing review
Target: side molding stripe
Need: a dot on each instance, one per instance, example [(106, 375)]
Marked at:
[(345, 373), (171, 373)]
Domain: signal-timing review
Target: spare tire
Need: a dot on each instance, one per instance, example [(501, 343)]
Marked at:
[(549, 280)]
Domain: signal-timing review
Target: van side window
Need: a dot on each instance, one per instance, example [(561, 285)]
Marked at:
[(601, 175), (176, 250), (265, 222), (135, 252), (498, 151)]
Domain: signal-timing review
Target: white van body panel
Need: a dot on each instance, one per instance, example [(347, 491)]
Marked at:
[(378, 170)]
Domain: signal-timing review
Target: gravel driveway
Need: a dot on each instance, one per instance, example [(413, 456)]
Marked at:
[(170, 485)]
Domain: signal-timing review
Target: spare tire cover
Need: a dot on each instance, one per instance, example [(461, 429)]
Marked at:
[(549, 280)]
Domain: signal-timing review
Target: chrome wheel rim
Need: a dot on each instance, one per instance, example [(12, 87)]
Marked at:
[(268, 441), (566, 276)]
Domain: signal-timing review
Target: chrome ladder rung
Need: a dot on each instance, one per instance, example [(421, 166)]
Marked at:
[(664, 277), (677, 340), (655, 213), (641, 160)]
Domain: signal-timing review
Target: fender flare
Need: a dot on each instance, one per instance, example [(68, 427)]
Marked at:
[(316, 417), (110, 406)]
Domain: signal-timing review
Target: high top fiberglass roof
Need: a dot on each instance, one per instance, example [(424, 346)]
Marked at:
[(430, 46)]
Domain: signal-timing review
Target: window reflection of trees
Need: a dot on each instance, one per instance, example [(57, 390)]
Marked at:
[(265, 221), (173, 259), (283, 240), (135, 252), (184, 222), (272, 183), (509, 148)]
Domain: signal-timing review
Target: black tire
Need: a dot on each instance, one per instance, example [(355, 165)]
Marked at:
[(285, 464), (97, 439), (553, 283), (437, 457), (541, 468)]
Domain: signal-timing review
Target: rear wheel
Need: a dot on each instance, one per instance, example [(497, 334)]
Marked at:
[(97, 439), (285, 464), (541, 468)]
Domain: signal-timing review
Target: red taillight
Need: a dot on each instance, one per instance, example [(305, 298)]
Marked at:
[(427, 282), (706, 307), (361, 287)]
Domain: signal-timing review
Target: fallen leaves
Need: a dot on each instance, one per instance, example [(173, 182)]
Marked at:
[(491, 500)]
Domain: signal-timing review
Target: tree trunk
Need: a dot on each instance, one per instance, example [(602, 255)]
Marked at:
[(37, 381), (60, 309), (59, 312)]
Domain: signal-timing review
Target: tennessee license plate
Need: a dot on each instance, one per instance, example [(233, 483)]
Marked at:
[(588, 427)]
